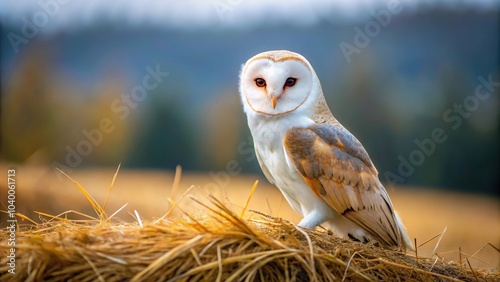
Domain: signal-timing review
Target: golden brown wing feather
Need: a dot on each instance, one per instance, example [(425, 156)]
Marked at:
[(338, 169)]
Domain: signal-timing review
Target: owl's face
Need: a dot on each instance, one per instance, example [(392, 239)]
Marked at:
[(277, 82)]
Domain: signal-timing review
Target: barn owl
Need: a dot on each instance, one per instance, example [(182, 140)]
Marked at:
[(321, 169)]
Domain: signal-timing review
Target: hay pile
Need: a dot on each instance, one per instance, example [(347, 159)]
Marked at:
[(220, 246)]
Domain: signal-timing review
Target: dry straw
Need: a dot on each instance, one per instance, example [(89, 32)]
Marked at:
[(222, 245)]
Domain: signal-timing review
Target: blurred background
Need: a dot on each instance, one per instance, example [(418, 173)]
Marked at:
[(86, 85), (67, 66)]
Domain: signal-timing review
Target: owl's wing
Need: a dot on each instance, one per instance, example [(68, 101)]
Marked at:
[(338, 169)]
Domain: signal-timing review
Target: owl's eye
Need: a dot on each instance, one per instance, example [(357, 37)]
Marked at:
[(290, 82), (260, 82)]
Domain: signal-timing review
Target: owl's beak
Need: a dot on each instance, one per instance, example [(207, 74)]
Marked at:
[(274, 100)]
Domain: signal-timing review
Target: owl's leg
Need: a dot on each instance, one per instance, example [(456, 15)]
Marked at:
[(312, 219)]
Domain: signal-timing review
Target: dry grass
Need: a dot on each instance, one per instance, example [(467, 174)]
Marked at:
[(218, 247), (425, 212), (221, 245)]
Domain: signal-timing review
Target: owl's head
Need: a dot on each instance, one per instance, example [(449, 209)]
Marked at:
[(278, 82)]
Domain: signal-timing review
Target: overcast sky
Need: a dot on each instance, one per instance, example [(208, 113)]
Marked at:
[(74, 14)]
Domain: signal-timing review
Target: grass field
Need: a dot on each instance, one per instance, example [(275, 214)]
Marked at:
[(471, 221)]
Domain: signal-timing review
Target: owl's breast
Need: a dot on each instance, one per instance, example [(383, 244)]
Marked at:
[(268, 141)]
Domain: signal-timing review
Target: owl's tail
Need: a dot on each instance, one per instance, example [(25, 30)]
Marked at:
[(406, 242)]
